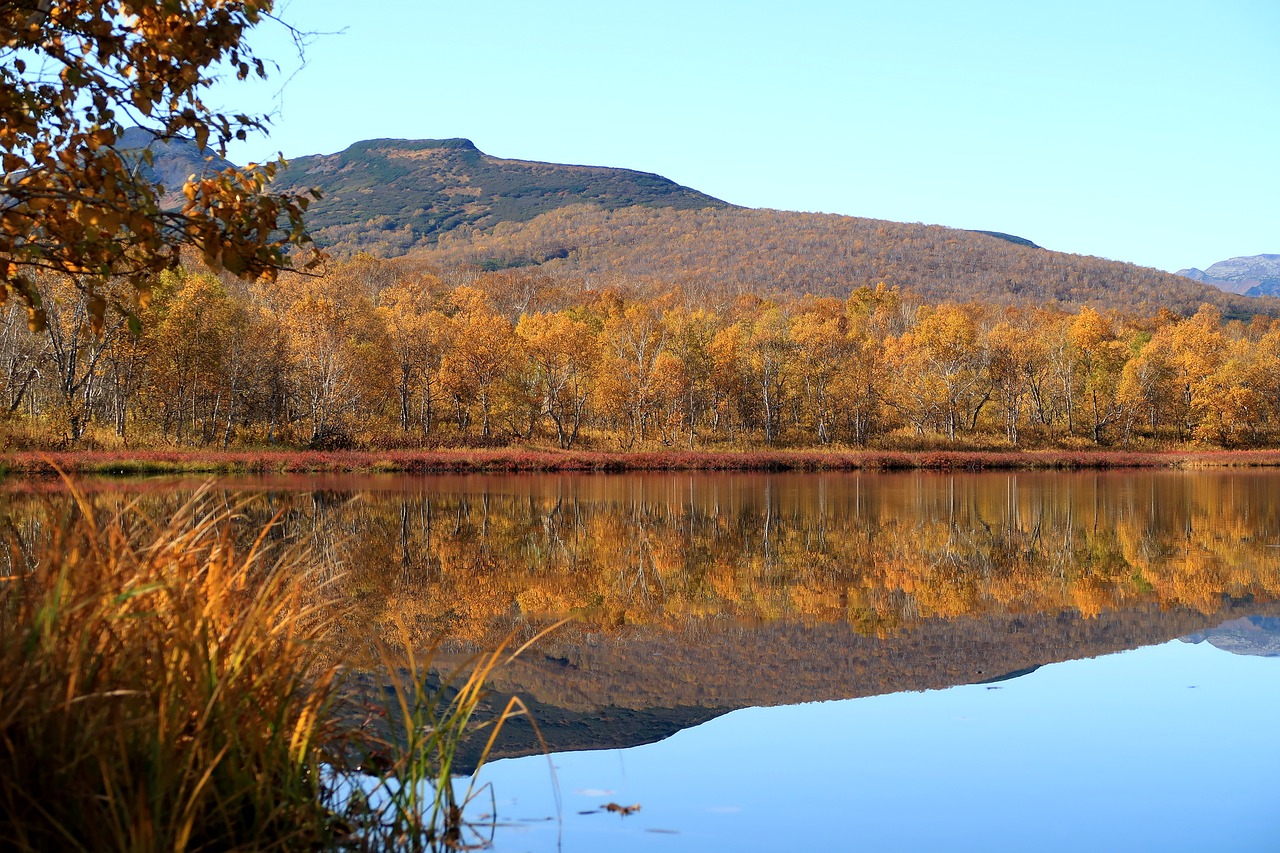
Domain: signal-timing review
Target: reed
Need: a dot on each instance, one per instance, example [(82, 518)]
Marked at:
[(412, 800), (163, 687)]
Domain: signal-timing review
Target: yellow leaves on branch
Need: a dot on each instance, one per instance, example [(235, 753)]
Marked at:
[(75, 201)]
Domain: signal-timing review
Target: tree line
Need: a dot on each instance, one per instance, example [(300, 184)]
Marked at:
[(388, 354)]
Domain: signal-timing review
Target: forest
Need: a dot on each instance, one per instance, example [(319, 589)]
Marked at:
[(772, 252), (391, 354)]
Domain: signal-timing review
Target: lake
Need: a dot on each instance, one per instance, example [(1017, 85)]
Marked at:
[(910, 661)]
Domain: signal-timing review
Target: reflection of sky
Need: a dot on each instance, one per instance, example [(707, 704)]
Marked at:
[(1173, 747)]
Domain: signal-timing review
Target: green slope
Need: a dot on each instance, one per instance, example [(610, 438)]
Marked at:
[(388, 195)]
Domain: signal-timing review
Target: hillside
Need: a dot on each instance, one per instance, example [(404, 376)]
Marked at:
[(449, 205), (171, 161), (1256, 275), (771, 251), (387, 196)]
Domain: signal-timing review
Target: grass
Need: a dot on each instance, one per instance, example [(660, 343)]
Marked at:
[(145, 462), (164, 687), (412, 795)]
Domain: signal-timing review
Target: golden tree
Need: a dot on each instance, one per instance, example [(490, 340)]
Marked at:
[(563, 353), (73, 74), (418, 336), (1099, 357), (485, 349)]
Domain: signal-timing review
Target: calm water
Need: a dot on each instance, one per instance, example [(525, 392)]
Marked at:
[(880, 662)]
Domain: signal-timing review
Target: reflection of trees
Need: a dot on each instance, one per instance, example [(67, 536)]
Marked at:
[(878, 553)]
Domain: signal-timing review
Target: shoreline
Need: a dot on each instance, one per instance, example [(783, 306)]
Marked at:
[(152, 462)]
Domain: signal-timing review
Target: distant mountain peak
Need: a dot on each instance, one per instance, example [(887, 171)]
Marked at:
[(1251, 275), (402, 193), (173, 159), (1008, 238)]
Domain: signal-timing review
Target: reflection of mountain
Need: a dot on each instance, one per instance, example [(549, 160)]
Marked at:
[(591, 692), (699, 594), (1251, 635), (1010, 676)]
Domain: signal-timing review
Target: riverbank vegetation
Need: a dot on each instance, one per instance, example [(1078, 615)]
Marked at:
[(512, 460), (389, 356), (172, 686)]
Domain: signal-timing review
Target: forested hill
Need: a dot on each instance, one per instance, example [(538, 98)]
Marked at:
[(386, 196), (772, 251)]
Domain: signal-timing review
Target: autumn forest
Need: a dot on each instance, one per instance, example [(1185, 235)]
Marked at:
[(393, 354)]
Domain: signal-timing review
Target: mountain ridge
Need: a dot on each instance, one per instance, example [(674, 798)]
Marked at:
[(427, 187), (448, 204), (1247, 275), (172, 160)]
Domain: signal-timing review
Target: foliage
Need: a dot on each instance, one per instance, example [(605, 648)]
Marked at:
[(74, 200), (390, 356)]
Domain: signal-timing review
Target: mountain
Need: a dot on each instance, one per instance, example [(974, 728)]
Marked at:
[(389, 195), (172, 161), (451, 206), (1255, 275)]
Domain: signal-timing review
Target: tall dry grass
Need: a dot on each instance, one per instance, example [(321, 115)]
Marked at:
[(162, 688)]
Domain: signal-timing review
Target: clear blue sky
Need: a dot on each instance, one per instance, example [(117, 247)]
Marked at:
[(1139, 130)]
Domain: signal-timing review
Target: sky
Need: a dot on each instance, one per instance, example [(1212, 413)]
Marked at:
[(1138, 130)]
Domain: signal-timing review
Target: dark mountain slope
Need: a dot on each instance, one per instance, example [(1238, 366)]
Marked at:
[(389, 195), (1021, 241)]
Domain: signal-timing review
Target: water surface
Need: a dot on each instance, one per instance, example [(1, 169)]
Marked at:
[(828, 661)]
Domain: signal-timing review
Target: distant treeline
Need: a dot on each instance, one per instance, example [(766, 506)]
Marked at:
[(386, 354)]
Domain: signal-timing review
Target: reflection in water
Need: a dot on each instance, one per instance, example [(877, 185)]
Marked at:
[(1166, 749), (696, 594), (1250, 635)]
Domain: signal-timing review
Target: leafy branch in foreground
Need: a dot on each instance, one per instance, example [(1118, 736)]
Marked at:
[(73, 76)]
